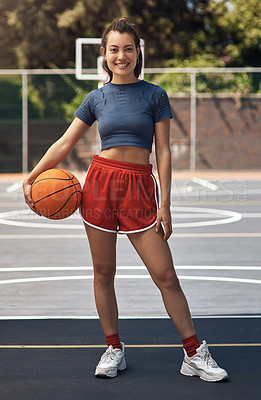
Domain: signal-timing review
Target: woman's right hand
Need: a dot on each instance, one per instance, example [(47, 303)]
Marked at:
[(27, 188)]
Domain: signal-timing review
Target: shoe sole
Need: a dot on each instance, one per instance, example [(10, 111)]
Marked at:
[(110, 373), (187, 370)]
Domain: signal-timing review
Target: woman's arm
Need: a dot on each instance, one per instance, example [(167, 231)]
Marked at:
[(54, 155), (163, 158)]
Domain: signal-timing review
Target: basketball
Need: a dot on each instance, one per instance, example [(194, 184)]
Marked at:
[(56, 193)]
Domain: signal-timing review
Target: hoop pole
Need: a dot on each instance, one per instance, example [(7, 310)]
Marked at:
[(193, 121), (25, 122)]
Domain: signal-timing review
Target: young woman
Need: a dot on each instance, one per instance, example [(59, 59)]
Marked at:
[(120, 194)]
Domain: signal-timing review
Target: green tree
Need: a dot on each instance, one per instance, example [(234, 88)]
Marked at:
[(242, 27), (7, 35), (35, 33), (42, 33), (45, 31), (37, 38), (172, 28), (206, 82)]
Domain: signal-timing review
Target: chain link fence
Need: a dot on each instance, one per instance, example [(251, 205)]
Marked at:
[(216, 124)]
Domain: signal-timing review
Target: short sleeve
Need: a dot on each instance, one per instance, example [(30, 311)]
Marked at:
[(161, 105), (86, 112)]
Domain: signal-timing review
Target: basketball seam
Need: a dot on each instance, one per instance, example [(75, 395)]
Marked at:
[(64, 204), (47, 179), (76, 191), (57, 191)]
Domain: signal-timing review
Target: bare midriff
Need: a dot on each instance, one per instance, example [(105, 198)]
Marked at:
[(130, 154)]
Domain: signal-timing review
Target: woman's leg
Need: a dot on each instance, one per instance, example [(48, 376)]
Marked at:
[(156, 255), (103, 250)]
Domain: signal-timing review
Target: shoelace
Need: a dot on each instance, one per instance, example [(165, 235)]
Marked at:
[(108, 355), (205, 354)]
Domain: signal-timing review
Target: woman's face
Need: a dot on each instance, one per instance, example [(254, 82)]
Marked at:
[(121, 56)]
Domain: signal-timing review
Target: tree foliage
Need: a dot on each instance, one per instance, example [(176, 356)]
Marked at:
[(35, 33), (188, 33), (7, 36), (241, 25), (38, 40), (45, 31)]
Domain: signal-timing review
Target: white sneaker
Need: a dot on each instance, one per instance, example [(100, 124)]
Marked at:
[(112, 361), (203, 365)]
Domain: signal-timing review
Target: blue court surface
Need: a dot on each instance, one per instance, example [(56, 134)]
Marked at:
[(50, 335)]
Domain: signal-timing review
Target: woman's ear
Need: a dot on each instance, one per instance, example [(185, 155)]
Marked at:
[(103, 51)]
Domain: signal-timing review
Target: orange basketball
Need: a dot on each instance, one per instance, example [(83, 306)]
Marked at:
[(56, 193)]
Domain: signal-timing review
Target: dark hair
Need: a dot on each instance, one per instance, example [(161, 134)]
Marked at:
[(122, 25)]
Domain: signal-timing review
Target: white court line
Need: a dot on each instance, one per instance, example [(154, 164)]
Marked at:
[(251, 215), (136, 267), (40, 317), (230, 193), (121, 236), (175, 215), (176, 190), (199, 216), (14, 187), (204, 183), (90, 277), (192, 215), (230, 217)]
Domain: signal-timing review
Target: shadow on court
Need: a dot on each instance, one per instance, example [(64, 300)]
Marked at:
[(55, 360)]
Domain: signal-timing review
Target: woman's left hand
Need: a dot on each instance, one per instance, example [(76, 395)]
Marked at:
[(164, 216)]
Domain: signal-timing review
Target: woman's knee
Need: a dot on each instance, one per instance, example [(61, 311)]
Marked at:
[(104, 274), (167, 280)]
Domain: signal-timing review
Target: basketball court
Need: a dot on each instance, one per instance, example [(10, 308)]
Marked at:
[(51, 339)]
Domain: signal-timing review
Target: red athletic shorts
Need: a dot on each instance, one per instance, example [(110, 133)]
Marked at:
[(119, 196)]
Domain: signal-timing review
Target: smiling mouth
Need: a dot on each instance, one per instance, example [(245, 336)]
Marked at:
[(122, 65)]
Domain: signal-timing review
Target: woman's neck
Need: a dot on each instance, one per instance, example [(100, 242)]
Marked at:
[(121, 80)]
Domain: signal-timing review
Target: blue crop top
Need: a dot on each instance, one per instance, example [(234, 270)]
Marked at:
[(126, 113)]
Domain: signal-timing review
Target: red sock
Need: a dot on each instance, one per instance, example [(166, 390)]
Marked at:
[(191, 344), (114, 341)]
